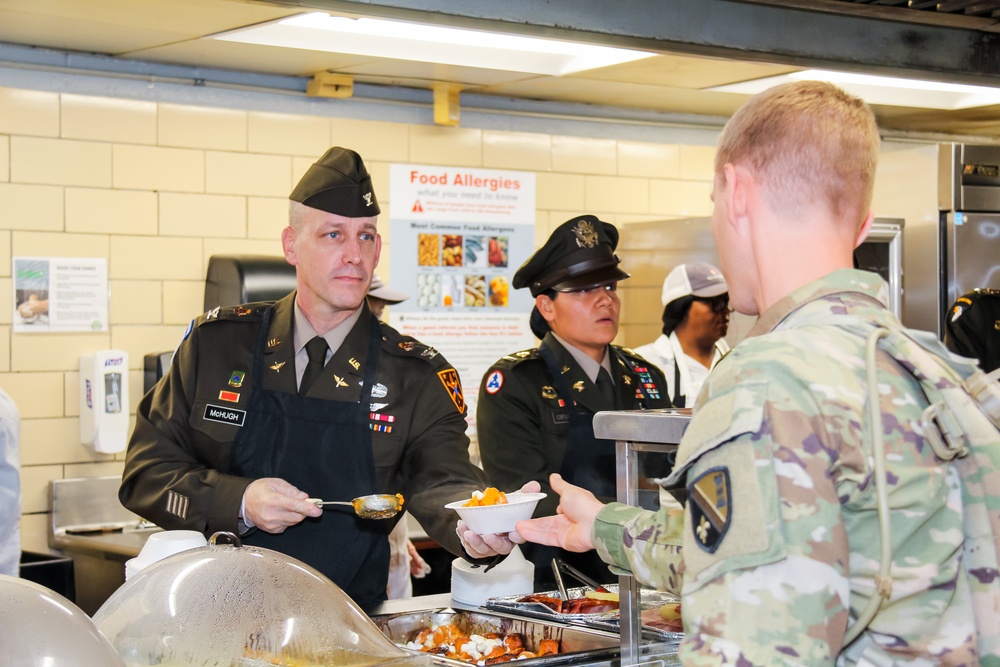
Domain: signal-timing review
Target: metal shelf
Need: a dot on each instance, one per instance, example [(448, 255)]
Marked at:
[(636, 431)]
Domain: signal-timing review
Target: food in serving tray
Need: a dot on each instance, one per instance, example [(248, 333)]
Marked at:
[(666, 617), (449, 641), (491, 496), (582, 605)]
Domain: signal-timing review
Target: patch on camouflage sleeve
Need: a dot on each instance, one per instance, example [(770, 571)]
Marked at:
[(709, 499), (449, 378)]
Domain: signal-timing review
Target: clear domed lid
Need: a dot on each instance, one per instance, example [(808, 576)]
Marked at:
[(40, 628), (226, 604)]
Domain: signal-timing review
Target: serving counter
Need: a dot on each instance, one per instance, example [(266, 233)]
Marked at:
[(634, 432)]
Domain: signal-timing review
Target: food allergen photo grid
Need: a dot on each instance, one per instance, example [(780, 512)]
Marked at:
[(478, 283)]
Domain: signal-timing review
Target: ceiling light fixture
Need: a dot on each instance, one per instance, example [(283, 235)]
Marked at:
[(889, 91), (319, 31)]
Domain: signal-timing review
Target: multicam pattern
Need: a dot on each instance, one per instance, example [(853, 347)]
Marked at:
[(785, 416)]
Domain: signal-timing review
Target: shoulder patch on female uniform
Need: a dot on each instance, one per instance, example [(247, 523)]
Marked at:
[(494, 382)]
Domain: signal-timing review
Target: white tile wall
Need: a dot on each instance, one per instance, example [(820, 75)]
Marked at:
[(159, 188)]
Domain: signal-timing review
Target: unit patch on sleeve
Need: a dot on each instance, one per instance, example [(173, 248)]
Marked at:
[(494, 382), (709, 498), (449, 378)]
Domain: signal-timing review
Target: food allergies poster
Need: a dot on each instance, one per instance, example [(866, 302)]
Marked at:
[(458, 235), (60, 294)]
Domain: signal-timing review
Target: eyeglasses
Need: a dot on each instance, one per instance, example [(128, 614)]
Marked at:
[(718, 304)]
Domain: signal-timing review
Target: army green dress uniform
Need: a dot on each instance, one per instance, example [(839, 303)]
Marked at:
[(536, 407), (385, 415), (523, 419)]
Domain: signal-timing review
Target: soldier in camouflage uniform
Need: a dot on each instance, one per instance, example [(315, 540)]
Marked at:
[(777, 552)]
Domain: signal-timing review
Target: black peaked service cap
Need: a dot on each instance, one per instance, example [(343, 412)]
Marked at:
[(578, 255)]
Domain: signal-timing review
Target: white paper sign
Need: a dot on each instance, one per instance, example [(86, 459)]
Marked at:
[(60, 294), (458, 236)]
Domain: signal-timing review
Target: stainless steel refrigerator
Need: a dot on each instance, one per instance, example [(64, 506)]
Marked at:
[(956, 248), (969, 240)]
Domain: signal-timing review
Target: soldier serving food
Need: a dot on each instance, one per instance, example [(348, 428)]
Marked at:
[(266, 404)]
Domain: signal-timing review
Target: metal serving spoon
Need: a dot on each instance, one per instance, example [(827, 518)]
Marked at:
[(375, 506)]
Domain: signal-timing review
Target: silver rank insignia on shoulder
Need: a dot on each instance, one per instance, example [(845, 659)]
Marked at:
[(276, 366), (212, 314), (710, 503), (355, 364), (274, 342), (522, 354), (548, 392), (429, 352), (578, 385)]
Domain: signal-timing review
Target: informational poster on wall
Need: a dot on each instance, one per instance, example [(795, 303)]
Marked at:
[(60, 294), (458, 235)]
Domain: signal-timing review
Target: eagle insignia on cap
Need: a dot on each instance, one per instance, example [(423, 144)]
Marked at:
[(586, 234)]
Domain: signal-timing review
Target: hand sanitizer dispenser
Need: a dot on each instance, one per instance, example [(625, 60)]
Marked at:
[(104, 400)]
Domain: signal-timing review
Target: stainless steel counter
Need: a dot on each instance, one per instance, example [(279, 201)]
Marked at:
[(91, 525), (636, 431), (649, 655)]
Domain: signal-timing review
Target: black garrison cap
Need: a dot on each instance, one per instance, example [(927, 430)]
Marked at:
[(338, 183), (578, 255)]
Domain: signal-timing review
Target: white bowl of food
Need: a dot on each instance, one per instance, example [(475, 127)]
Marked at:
[(497, 517)]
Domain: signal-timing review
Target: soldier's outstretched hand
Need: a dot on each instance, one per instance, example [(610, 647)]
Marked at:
[(573, 527)]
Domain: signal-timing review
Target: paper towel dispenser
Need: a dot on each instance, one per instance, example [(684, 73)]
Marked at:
[(236, 279)]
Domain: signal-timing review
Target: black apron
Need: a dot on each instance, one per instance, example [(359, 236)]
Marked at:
[(588, 462), (324, 448)]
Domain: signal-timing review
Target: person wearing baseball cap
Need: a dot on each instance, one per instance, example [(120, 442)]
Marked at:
[(268, 406), (536, 406), (695, 321), (380, 296)]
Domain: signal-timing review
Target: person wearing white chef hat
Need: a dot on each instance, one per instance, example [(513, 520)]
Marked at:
[(695, 320)]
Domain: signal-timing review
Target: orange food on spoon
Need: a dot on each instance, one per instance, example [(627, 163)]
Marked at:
[(491, 496)]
